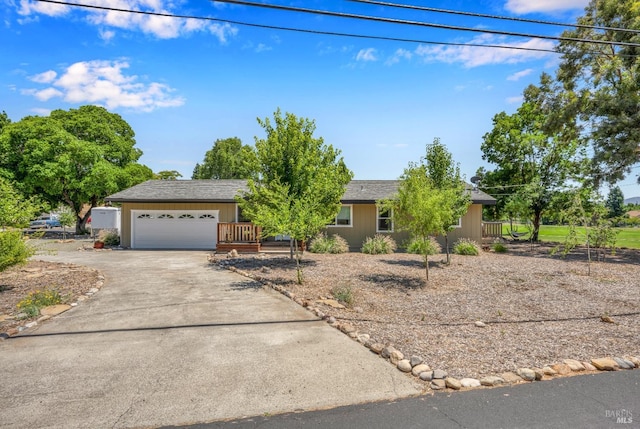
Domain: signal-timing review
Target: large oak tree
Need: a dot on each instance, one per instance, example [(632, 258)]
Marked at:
[(74, 157)]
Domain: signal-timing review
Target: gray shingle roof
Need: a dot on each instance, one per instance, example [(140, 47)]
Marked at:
[(357, 191)]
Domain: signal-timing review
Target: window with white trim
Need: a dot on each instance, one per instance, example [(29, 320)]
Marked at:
[(457, 225), (344, 217), (384, 220)]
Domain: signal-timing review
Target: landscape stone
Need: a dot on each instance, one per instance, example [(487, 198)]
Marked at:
[(43, 318), (94, 290), (480, 324), (31, 324), (605, 364), (377, 348), (332, 303), (404, 365), (438, 384), (396, 356), (439, 374), (331, 320), (526, 374), (491, 380), (4, 317), (561, 368), (539, 373), (470, 382), (588, 366), (347, 328), (633, 359), (623, 363), (54, 310), (386, 352), (547, 370), (574, 365), (510, 377), (426, 376), (453, 383), (363, 338), (415, 360), (419, 369)]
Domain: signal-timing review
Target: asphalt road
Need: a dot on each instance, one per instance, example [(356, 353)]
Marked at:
[(604, 400)]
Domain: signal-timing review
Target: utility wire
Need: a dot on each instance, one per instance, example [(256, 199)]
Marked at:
[(425, 24), (500, 17), (300, 30)]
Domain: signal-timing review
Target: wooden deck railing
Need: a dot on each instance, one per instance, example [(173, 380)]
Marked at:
[(238, 233), (491, 229)]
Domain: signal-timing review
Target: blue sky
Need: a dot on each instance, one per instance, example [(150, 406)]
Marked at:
[(182, 84)]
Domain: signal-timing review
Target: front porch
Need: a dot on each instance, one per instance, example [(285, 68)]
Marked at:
[(244, 237)]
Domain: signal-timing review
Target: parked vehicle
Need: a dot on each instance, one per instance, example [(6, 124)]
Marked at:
[(45, 221)]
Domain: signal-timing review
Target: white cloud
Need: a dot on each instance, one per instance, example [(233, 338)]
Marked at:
[(368, 54), (103, 82), (46, 77), (28, 7), (262, 47), (474, 56), (514, 100), (532, 6), (400, 54), (163, 27), (519, 75)]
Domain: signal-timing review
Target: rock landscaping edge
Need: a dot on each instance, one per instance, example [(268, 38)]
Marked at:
[(438, 379)]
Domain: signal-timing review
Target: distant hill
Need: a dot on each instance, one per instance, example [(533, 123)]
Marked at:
[(634, 200)]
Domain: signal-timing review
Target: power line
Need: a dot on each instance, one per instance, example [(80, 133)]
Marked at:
[(500, 17), (300, 30), (425, 24)]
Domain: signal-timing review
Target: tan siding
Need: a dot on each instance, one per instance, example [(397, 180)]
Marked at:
[(227, 213), (365, 219), (471, 227)]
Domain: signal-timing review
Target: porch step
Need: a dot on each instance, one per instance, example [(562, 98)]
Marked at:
[(240, 247)]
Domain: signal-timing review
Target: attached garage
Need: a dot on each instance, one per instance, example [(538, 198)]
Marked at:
[(174, 229)]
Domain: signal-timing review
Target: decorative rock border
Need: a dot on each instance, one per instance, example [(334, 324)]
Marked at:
[(439, 379), (47, 313)]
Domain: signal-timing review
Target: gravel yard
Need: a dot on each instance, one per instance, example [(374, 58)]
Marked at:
[(538, 309)]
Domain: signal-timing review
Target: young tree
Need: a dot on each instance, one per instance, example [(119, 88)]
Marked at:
[(615, 202), (444, 175), (605, 79), (74, 157), (227, 159), (535, 150), (297, 188), (418, 208)]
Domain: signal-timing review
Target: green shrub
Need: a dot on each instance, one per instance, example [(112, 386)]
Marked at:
[(420, 247), (36, 300), (323, 244), (110, 238), (343, 293), (13, 249), (379, 244), (499, 248), (464, 246)]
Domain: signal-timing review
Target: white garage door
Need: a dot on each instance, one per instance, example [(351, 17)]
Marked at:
[(174, 229)]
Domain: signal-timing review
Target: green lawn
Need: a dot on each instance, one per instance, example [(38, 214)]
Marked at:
[(627, 237)]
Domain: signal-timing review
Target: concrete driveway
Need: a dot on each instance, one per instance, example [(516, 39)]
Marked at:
[(170, 340)]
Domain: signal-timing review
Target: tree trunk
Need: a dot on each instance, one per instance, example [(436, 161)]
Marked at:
[(426, 266), (537, 216), (446, 245), (298, 253)]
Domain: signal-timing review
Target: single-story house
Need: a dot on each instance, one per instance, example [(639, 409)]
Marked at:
[(203, 214)]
